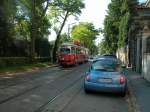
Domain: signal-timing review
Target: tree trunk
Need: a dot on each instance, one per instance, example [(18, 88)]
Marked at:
[(57, 38), (45, 9), (33, 32)]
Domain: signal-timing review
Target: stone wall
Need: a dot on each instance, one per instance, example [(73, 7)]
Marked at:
[(122, 55), (146, 66)]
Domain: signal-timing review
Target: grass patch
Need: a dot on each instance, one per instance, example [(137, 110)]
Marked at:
[(24, 68)]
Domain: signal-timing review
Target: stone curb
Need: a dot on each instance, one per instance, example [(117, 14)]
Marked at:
[(132, 98)]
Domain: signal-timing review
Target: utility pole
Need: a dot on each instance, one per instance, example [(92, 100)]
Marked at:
[(69, 27)]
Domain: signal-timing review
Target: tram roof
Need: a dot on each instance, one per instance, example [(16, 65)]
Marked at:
[(71, 44)]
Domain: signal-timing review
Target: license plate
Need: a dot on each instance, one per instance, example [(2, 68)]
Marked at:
[(105, 80)]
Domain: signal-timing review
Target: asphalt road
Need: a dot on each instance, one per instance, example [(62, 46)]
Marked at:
[(55, 90)]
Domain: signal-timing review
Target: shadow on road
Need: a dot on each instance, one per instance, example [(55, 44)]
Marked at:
[(104, 94)]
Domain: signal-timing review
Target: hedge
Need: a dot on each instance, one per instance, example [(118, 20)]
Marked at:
[(16, 61)]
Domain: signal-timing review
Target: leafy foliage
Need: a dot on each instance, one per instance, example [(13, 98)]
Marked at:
[(16, 27), (86, 34), (25, 25), (64, 38), (116, 25), (7, 15), (61, 10)]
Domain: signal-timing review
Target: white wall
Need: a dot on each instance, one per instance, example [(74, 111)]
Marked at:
[(146, 66), (122, 55)]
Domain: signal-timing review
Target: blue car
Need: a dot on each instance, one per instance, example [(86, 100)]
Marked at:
[(105, 75)]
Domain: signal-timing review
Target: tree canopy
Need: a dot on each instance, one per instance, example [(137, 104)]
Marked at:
[(19, 20), (86, 33), (116, 25), (60, 11), (25, 26)]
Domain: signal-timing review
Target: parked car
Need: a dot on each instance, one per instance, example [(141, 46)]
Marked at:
[(92, 59), (110, 56), (105, 75)]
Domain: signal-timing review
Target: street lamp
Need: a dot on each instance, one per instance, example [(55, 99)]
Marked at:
[(69, 29)]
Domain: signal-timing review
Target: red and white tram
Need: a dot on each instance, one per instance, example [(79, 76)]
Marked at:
[(72, 54)]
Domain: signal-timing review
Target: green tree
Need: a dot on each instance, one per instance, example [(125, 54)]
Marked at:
[(103, 48), (32, 16), (39, 23), (7, 15), (64, 38), (86, 34), (116, 24), (123, 27), (111, 24), (24, 27), (61, 10)]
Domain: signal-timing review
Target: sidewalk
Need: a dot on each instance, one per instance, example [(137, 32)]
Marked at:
[(140, 91)]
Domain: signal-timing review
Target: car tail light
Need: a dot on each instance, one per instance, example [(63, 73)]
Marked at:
[(122, 79), (87, 78)]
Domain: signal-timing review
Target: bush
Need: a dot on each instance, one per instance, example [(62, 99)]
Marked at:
[(13, 61), (17, 61), (42, 59)]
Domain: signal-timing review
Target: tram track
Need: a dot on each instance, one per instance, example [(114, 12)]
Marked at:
[(51, 100), (23, 81), (67, 75), (17, 95), (30, 79)]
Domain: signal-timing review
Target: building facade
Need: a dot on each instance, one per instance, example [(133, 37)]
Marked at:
[(139, 41)]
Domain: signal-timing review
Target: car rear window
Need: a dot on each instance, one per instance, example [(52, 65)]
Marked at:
[(106, 65)]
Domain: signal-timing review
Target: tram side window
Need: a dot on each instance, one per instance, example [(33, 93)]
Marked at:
[(73, 51), (82, 52), (79, 51), (65, 50), (76, 51)]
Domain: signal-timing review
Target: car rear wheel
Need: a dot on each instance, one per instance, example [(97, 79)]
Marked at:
[(123, 94), (86, 90)]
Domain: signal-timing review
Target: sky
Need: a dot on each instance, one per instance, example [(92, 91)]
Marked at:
[(94, 12), (142, 1)]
